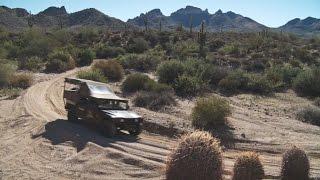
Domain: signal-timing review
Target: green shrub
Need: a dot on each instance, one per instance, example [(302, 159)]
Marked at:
[(232, 49), (110, 68), (137, 45), (6, 72), (33, 63), (307, 83), (259, 84), (134, 83), (295, 165), (85, 57), (197, 156), (10, 93), (185, 49), (316, 101), (169, 71), (248, 167), (21, 80), (235, 82), (92, 74), (215, 44), (154, 100), (188, 86), (140, 62), (310, 115), (210, 112), (282, 77), (103, 52), (213, 74), (60, 61)]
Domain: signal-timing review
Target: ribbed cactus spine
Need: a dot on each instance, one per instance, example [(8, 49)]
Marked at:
[(191, 23), (202, 37), (30, 20), (145, 21)]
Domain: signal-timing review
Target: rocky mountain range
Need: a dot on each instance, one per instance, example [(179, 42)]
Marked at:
[(17, 19), (188, 16)]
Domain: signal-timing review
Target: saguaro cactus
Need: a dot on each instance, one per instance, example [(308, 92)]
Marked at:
[(191, 23), (202, 37), (30, 20)]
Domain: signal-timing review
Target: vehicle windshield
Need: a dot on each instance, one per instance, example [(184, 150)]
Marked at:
[(113, 105), (99, 89)]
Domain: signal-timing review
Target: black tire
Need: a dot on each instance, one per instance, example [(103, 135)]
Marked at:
[(109, 129), (135, 132), (72, 116)]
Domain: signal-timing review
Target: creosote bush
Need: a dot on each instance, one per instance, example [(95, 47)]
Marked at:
[(140, 62), (135, 82), (60, 61), (197, 157), (310, 115), (169, 71), (188, 86), (92, 74), (210, 112), (85, 57), (154, 100), (248, 167), (295, 165), (103, 52), (110, 68), (234, 82), (33, 63), (307, 83), (6, 72), (21, 80), (316, 101)]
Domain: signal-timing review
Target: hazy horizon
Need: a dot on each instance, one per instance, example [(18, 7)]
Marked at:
[(272, 13)]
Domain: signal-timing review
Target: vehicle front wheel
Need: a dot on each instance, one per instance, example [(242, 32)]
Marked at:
[(72, 116), (109, 129), (136, 131)]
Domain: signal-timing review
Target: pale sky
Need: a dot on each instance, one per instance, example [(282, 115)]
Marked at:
[(272, 13)]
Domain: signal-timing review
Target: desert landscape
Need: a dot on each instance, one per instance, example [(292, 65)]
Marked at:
[(260, 84)]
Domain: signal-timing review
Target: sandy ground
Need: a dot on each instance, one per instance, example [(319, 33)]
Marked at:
[(37, 142)]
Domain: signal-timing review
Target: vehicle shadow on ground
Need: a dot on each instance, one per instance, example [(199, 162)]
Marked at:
[(79, 134)]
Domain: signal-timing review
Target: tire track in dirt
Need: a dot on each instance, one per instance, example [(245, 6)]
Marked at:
[(44, 103)]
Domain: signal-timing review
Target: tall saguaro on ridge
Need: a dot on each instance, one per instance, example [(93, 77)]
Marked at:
[(191, 23), (202, 37), (30, 20), (145, 21)]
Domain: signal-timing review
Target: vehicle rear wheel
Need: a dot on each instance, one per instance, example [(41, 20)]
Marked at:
[(136, 131), (109, 129), (72, 116)]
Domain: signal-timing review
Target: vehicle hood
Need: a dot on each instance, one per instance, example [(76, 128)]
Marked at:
[(122, 114)]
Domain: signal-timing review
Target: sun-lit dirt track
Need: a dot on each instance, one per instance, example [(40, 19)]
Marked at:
[(37, 142)]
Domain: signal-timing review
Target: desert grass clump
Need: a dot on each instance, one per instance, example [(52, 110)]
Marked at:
[(210, 112), (197, 157), (110, 68), (154, 100), (295, 165), (248, 167), (21, 80)]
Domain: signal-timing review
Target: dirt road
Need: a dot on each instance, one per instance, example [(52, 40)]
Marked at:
[(36, 142)]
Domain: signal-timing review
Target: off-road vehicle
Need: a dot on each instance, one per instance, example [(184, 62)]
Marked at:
[(96, 104)]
